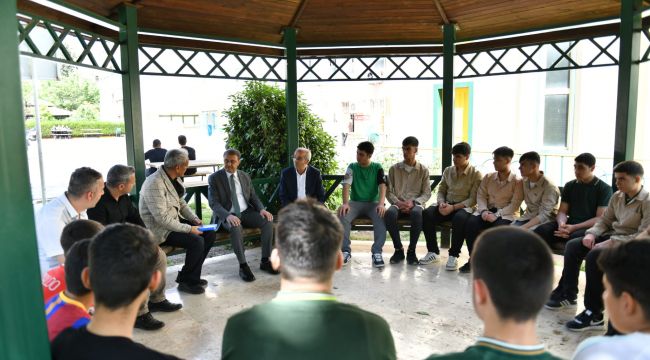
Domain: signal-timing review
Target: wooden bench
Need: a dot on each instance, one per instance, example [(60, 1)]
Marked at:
[(91, 132), (223, 238), (202, 174), (403, 224)]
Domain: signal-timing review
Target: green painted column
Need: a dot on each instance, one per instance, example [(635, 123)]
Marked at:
[(23, 335), (628, 79), (448, 51), (291, 92), (131, 91)]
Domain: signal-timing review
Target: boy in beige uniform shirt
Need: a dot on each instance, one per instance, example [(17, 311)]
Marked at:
[(541, 195), (498, 199)]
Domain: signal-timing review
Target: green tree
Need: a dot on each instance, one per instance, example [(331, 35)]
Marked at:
[(71, 92), (258, 129)]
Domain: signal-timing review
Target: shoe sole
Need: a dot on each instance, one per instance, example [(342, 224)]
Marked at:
[(572, 306), (588, 328), (378, 266), (451, 268)]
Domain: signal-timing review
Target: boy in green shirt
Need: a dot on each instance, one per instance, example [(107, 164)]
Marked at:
[(364, 192), (513, 273), (305, 321)]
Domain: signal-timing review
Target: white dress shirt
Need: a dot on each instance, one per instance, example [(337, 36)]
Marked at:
[(243, 203), (302, 184), (50, 221)]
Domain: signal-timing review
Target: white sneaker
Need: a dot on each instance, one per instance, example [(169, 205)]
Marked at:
[(430, 258), (452, 263), (346, 258)]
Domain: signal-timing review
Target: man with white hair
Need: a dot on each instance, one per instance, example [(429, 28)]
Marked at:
[(301, 180), (173, 223)]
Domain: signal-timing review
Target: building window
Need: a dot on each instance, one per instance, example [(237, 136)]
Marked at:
[(556, 101)]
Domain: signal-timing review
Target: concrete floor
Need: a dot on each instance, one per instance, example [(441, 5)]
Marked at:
[(429, 309)]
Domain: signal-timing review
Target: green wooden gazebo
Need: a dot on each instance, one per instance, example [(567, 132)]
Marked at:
[(284, 41)]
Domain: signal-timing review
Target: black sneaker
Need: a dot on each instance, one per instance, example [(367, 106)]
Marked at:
[(203, 282), (377, 260), (397, 257), (164, 306), (557, 303), (411, 259), (586, 320), (147, 322), (191, 288), (245, 273), (266, 266), (465, 269)]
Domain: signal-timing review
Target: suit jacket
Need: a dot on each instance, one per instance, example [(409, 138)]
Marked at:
[(289, 185), (161, 207), (219, 196)]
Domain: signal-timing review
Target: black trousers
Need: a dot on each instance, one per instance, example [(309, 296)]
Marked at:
[(546, 231), (415, 216), (197, 248), (475, 224), (574, 254), (433, 217)]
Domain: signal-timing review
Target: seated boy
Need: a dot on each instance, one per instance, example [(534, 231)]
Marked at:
[(54, 280), (69, 308), (513, 273), (627, 300), (121, 272), (305, 321)]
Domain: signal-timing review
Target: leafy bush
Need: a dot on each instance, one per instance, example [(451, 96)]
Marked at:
[(107, 128), (258, 129)]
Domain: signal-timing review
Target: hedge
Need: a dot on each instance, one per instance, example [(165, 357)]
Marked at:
[(106, 128)]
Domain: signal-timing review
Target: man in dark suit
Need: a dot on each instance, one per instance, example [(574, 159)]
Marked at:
[(301, 180), (157, 154), (235, 205)]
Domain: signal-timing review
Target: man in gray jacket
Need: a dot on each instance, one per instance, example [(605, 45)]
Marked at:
[(235, 205), (173, 223)]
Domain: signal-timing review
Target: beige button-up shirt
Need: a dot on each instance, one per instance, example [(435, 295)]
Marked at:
[(408, 183), (506, 196), (542, 200), (624, 220), (457, 188)]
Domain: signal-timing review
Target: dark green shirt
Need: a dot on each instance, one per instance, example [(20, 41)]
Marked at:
[(585, 199), (307, 326), (490, 349)]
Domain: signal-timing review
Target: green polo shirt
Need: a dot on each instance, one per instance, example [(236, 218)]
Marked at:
[(491, 349), (585, 199), (312, 326), (364, 181)]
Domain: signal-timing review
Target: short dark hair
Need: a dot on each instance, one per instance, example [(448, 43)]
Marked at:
[(82, 180), (79, 230), (122, 260), (229, 152), (530, 156), (76, 261), (461, 148), (308, 238), (629, 167), (119, 174), (182, 140), (156, 143), (624, 265), (410, 141), (367, 147), (504, 151), (586, 158), (517, 268)]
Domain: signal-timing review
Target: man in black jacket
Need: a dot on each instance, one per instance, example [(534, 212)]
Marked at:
[(301, 180), (115, 207)]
